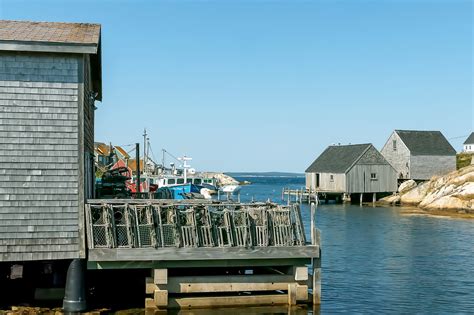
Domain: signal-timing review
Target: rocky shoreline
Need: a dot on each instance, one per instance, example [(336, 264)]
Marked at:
[(452, 193)]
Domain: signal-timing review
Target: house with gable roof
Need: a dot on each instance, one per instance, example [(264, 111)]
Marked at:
[(468, 145), (356, 168), (419, 154)]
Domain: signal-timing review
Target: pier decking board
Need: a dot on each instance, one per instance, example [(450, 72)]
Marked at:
[(177, 254)]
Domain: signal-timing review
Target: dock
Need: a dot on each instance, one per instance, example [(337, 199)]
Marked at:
[(208, 254)]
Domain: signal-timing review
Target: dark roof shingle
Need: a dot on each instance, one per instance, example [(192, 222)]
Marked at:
[(421, 142), (337, 158), (470, 139), (50, 32)]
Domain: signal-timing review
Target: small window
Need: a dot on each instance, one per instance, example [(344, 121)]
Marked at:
[(331, 178), (171, 181), (373, 176), (180, 181), (189, 181), (197, 181), (394, 143)]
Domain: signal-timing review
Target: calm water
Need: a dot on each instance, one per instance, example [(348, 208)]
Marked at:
[(378, 260)]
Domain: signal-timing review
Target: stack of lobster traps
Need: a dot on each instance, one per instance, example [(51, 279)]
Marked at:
[(141, 224)]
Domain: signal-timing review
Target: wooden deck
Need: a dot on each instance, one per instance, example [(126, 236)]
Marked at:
[(215, 243)]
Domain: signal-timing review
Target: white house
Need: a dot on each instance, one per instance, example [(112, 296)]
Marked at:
[(469, 144)]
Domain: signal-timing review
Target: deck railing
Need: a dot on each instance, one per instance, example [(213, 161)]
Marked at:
[(167, 223)]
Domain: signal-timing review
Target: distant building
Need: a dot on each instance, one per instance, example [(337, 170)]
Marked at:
[(419, 155), (103, 156), (50, 78), (357, 168), (469, 144)]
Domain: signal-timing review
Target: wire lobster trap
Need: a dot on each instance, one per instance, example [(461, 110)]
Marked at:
[(222, 223), (297, 224), (242, 228), (188, 227), (167, 233), (100, 217), (204, 227), (124, 226), (145, 225), (259, 225), (281, 227)]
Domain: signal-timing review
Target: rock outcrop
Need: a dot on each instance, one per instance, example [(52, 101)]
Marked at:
[(454, 192)]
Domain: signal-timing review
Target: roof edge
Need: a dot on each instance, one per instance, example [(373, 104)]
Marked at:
[(75, 48)]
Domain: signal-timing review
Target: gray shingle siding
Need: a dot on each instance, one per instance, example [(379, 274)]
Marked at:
[(39, 160)]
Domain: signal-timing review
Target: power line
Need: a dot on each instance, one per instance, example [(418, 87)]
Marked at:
[(458, 137)]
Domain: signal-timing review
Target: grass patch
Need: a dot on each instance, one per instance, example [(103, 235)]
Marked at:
[(463, 160)]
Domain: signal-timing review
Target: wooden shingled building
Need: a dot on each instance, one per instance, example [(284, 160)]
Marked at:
[(351, 169), (50, 78)]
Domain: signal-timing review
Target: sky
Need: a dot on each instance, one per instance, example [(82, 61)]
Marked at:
[(268, 85)]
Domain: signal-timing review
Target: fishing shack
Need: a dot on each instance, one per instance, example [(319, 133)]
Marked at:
[(351, 170), (419, 154), (50, 78)]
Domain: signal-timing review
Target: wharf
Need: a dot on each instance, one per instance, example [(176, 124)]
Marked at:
[(206, 253)]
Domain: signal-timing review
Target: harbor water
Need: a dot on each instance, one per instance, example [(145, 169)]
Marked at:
[(385, 259)]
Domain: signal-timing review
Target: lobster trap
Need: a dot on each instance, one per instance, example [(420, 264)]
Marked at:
[(157, 225)]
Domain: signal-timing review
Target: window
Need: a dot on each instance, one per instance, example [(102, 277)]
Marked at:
[(331, 178), (180, 181), (394, 143), (373, 176), (197, 181), (171, 181), (189, 181)]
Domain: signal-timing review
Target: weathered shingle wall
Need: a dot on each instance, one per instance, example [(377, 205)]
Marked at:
[(423, 167), (399, 158), (39, 165)]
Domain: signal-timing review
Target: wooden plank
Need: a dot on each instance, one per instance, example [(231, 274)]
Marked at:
[(202, 253), (160, 276), (137, 264), (226, 283), (222, 301)]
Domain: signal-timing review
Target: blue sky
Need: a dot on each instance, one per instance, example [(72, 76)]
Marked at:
[(267, 85)]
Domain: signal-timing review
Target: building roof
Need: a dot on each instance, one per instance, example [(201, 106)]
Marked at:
[(132, 164), (338, 158), (54, 37), (470, 139), (421, 142), (50, 32), (104, 149)]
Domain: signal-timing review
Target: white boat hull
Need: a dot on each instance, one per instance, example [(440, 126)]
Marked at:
[(230, 189)]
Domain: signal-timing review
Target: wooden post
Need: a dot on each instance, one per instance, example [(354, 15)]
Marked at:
[(316, 285), (313, 236), (361, 198), (292, 294), (374, 199)]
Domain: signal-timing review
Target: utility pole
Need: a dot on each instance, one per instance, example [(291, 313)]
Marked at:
[(137, 160)]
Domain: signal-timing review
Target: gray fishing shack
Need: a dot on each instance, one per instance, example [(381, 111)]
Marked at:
[(348, 169), (50, 77), (419, 154)]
